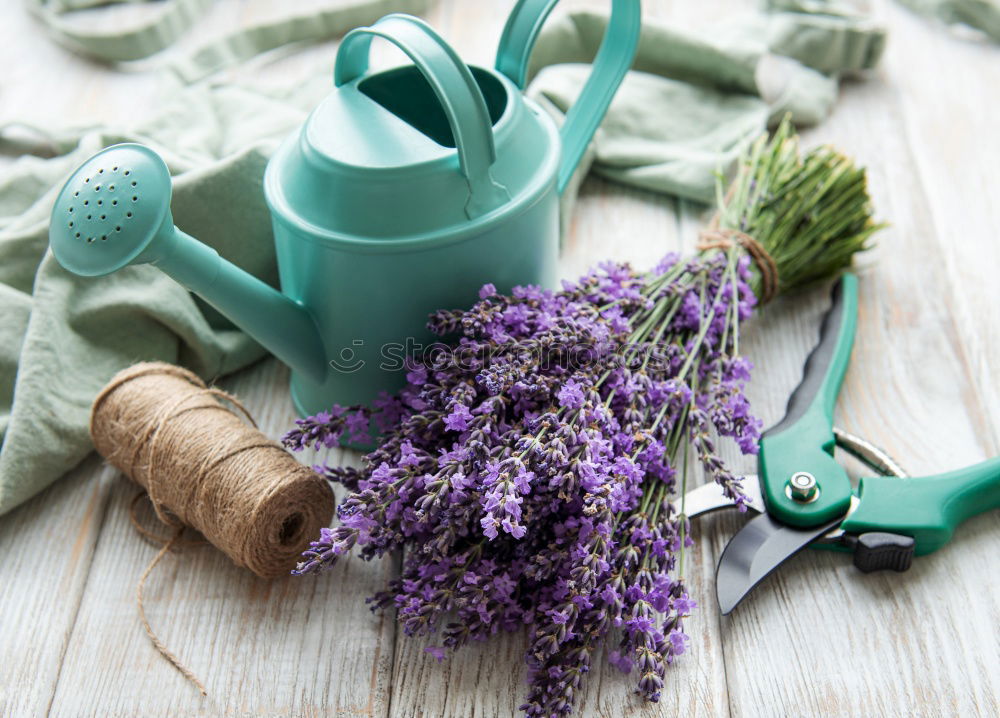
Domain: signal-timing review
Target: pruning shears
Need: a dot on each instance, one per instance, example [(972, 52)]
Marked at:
[(803, 497)]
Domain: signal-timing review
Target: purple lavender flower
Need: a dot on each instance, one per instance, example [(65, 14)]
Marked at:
[(534, 474), (487, 291), (437, 651), (570, 395), (458, 419), (684, 605)]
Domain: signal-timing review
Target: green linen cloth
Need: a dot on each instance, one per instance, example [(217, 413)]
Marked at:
[(692, 103), (176, 17), (982, 15), (694, 100)]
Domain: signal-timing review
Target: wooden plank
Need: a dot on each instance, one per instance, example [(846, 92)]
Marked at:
[(47, 547), (948, 90)]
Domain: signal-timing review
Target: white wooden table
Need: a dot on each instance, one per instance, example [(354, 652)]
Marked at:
[(818, 639)]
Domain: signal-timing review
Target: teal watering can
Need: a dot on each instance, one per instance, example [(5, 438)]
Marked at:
[(403, 193)]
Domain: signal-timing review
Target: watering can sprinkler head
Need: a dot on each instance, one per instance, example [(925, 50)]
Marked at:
[(115, 211)]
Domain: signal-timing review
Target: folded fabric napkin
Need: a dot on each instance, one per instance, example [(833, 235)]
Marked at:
[(684, 114)]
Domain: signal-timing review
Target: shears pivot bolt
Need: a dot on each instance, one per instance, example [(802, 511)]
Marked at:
[(802, 487)]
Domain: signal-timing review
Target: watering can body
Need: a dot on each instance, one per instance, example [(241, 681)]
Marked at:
[(398, 239), (403, 193)]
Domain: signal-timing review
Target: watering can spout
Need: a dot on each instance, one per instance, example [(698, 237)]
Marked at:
[(283, 326), (115, 211)]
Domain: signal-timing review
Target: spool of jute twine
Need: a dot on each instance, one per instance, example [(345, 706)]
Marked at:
[(206, 467)]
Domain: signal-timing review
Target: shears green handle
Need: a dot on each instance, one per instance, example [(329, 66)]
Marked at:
[(802, 442), (930, 508), (927, 509)]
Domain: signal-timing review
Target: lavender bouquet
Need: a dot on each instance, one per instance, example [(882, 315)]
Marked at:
[(534, 474)]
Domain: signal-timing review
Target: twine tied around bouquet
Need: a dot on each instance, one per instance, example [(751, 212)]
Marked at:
[(716, 237), (205, 467)]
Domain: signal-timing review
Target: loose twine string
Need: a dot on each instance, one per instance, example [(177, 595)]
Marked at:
[(204, 466), (715, 237)]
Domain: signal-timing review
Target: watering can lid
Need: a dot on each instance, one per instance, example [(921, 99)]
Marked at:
[(414, 149)]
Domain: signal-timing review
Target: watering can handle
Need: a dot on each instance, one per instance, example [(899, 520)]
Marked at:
[(612, 62), (455, 88)]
